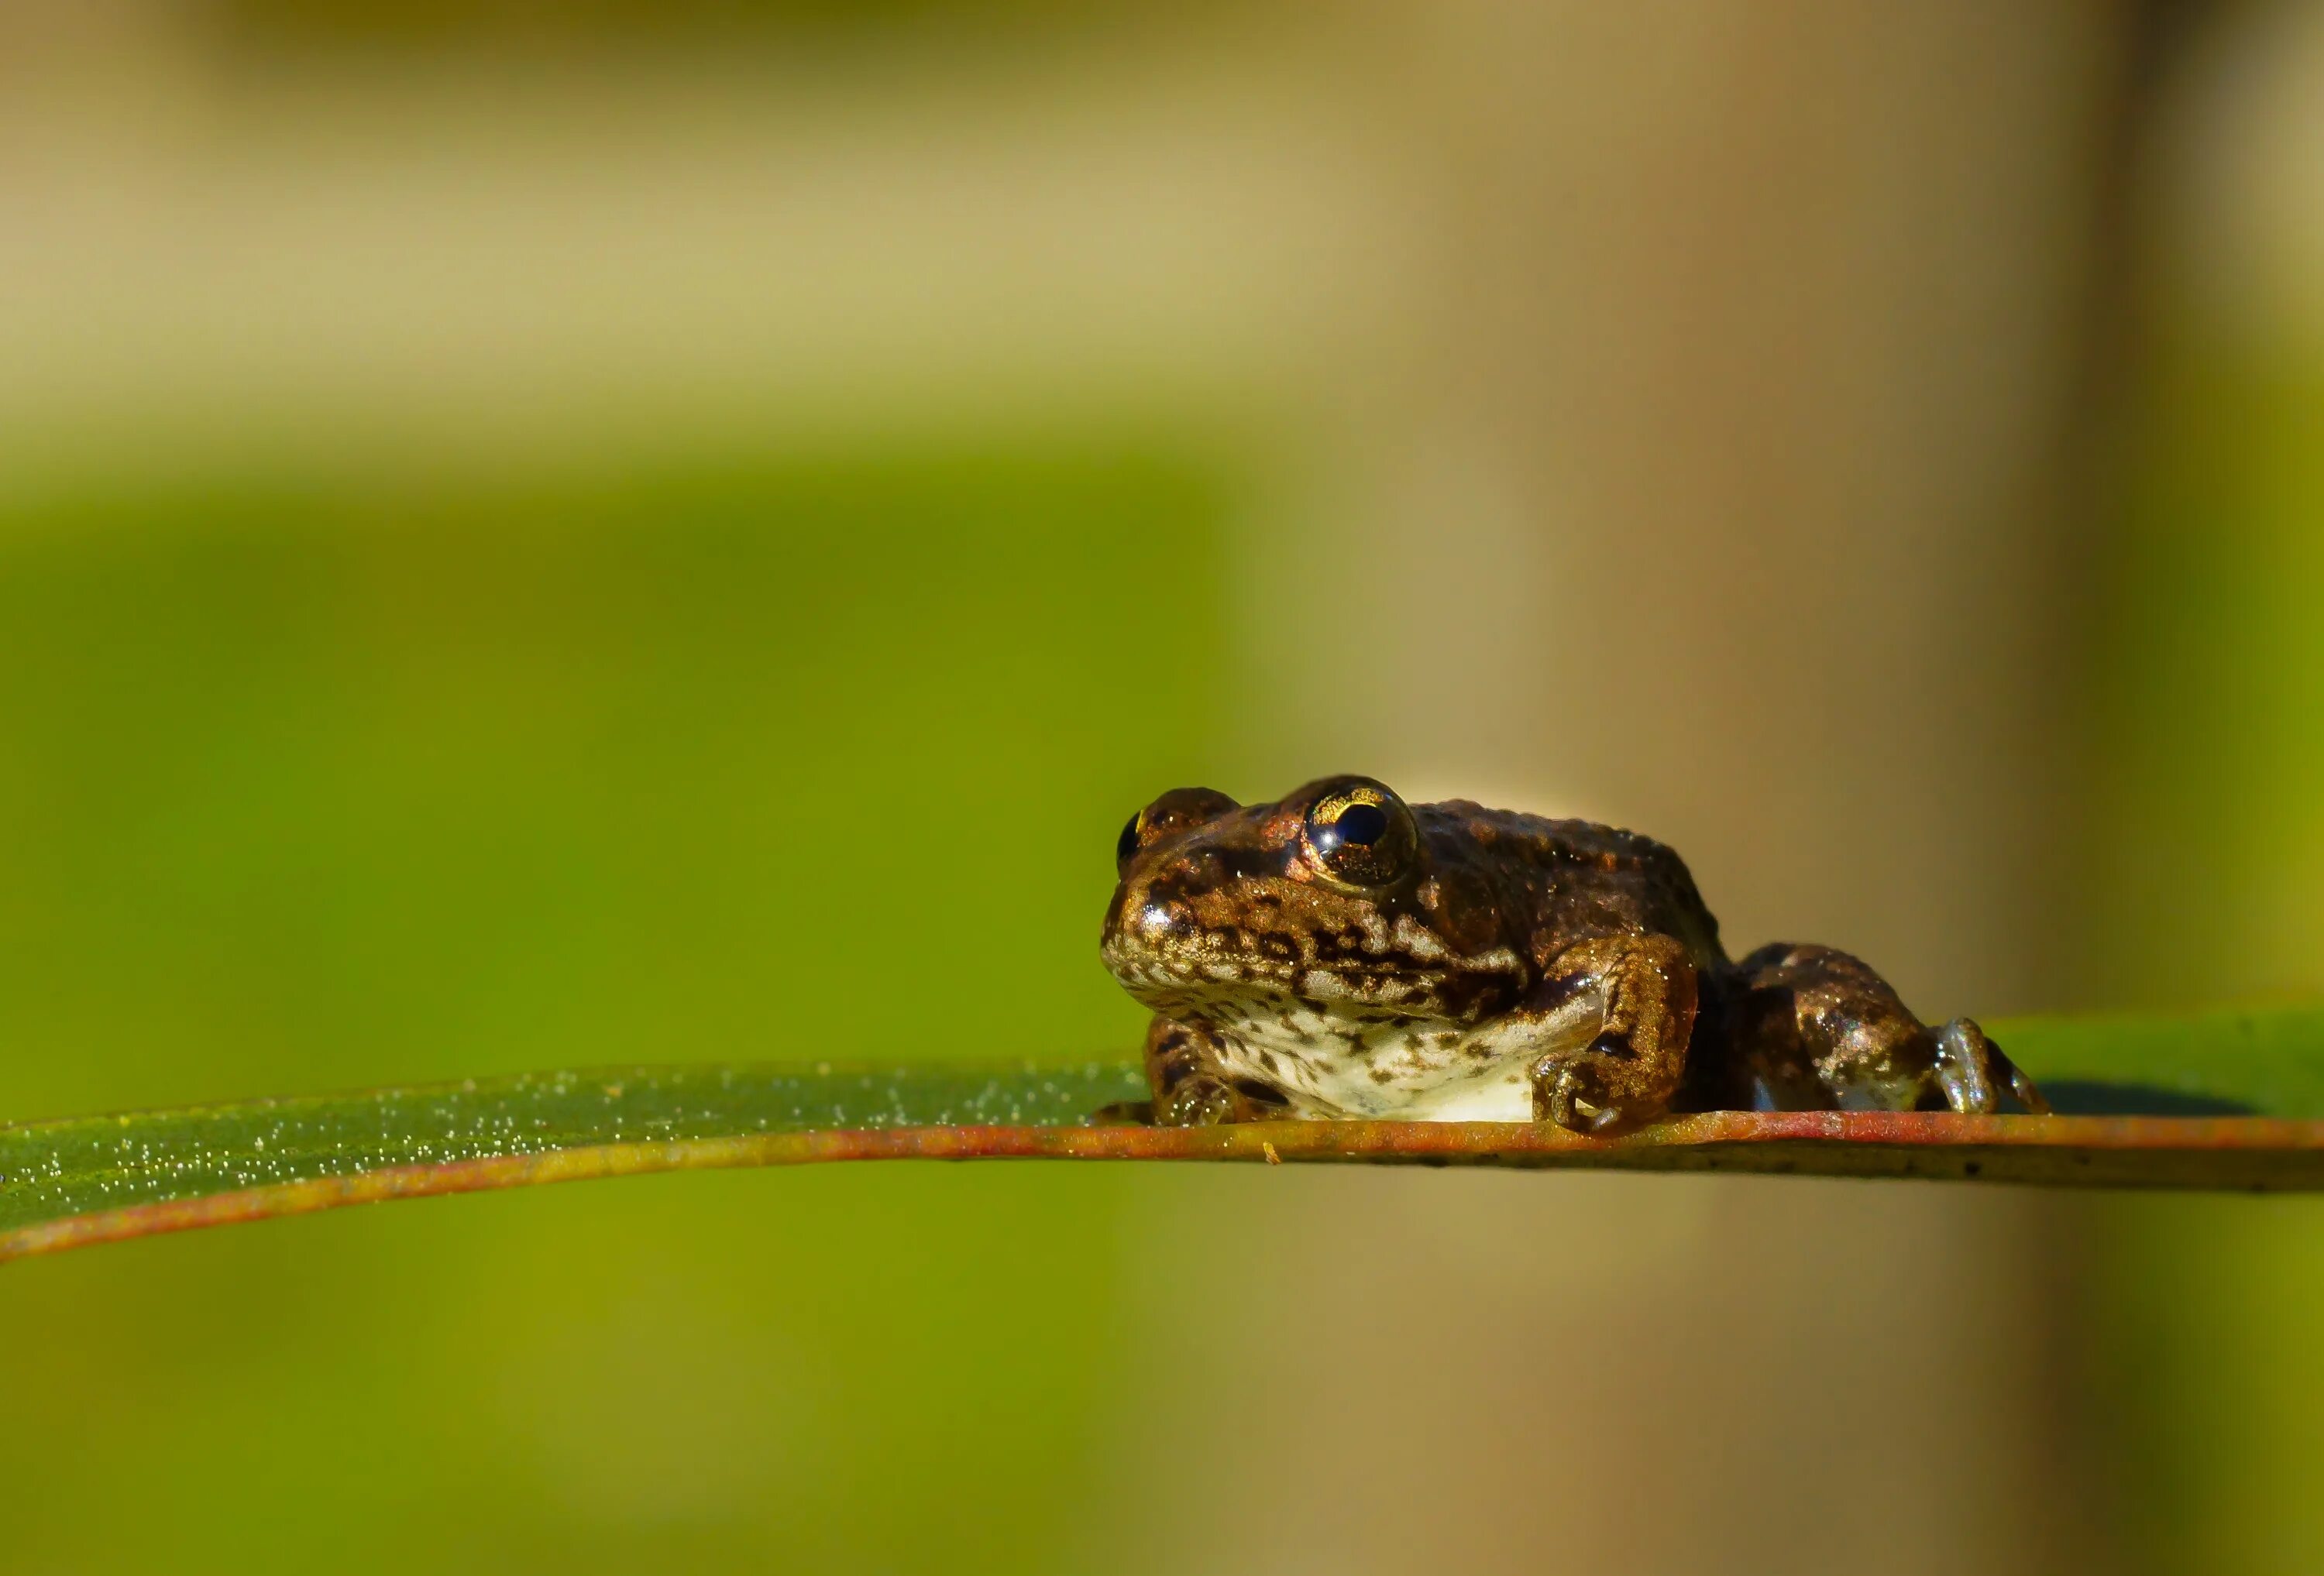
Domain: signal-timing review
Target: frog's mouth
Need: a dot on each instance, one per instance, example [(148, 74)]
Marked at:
[(1198, 973), (1165, 958)]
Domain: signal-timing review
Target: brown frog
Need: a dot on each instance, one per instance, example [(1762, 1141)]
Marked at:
[(1341, 954)]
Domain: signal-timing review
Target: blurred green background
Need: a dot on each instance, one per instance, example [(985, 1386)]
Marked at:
[(323, 778), (713, 757), (540, 535)]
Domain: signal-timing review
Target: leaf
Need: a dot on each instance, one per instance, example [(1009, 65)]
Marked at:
[(2225, 1100), (2247, 1063)]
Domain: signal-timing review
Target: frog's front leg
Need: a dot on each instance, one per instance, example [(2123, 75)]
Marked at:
[(1189, 1088), (1612, 1019)]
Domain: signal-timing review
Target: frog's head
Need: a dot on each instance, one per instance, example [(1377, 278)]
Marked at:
[(1338, 895)]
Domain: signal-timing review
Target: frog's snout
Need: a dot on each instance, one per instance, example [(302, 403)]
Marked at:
[(1149, 933), (1155, 925), (1143, 924)]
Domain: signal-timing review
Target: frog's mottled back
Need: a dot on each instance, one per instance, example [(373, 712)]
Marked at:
[(1340, 952), (1573, 878)]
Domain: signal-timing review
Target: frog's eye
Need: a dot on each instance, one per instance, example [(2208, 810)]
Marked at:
[(1359, 834), (1179, 810)]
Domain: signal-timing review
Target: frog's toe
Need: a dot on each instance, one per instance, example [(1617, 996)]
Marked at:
[(1565, 1091), (1557, 1092), (1964, 1067)]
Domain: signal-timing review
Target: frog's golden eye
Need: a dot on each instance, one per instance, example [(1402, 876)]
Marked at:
[(1359, 834), (1179, 810)]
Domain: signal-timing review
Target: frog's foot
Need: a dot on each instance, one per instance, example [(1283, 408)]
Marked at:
[(1209, 1100), (1569, 1091), (1817, 1021), (1190, 1090), (1969, 1068)]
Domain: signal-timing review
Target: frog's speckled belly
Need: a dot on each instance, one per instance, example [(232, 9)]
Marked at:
[(1338, 1064)]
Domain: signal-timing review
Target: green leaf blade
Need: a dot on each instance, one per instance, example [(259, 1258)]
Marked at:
[(2218, 1101), (79, 1165)]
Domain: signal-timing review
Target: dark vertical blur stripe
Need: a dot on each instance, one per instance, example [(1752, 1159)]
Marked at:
[(1724, 494)]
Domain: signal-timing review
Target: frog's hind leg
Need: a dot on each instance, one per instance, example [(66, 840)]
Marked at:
[(1815, 1027)]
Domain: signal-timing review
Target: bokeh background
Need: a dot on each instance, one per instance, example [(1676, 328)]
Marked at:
[(538, 534)]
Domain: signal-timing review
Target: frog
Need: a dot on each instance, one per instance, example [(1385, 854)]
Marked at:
[(1339, 953)]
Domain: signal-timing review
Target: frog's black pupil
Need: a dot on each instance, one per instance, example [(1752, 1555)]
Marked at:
[(1364, 824), (1127, 843)]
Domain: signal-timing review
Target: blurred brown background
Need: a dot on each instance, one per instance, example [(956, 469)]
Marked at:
[(515, 512)]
